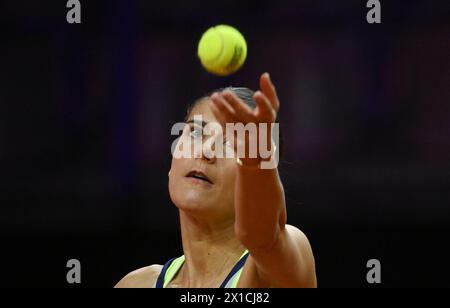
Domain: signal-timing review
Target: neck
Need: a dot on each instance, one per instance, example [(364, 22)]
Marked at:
[(210, 250)]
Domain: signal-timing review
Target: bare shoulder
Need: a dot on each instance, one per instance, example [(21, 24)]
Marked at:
[(297, 236), (288, 264), (301, 241), (305, 255), (142, 278)]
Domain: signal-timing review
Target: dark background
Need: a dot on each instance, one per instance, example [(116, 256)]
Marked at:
[(86, 112)]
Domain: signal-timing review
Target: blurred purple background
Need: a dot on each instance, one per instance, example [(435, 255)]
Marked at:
[(86, 112)]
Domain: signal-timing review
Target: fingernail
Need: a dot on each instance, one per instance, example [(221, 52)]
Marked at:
[(226, 93), (215, 97)]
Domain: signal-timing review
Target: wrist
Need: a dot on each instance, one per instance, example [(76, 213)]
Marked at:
[(255, 163)]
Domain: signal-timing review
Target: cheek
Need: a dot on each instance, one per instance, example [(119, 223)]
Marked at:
[(175, 171), (176, 166), (176, 188)]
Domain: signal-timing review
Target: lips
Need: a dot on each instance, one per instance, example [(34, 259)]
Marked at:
[(197, 174)]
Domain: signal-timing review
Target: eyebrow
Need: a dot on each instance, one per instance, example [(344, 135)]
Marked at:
[(203, 123)]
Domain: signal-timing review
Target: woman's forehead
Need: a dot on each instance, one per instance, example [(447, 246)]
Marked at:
[(202, 109)]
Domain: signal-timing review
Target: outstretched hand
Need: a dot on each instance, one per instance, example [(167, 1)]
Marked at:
[(228, 108)]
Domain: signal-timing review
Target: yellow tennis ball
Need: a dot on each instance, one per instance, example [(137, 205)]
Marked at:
[(222, 50)]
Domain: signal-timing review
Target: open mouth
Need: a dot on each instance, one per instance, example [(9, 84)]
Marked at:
[(198, 175)]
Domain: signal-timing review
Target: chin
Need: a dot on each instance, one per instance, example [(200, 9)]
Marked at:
[(191, 200), (202, 209)]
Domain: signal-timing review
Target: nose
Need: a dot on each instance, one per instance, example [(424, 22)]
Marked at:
[(205, 151)]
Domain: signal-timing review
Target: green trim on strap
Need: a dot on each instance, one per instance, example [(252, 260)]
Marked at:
[(176, 265), (238, 274), (243, 254), (173, 269), (236, 279)]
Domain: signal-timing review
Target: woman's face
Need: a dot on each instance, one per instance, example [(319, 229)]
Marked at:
[(213, 199)]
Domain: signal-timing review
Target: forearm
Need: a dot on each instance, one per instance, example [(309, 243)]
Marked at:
[(260, 207)]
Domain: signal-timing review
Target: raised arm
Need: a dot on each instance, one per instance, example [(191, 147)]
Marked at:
[(280, 254)]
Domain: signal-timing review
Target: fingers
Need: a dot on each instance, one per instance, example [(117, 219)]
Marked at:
[(227, 107), (218, 113), (269, 90), (223, 106), (243, 112), (264, 110), (221, 103), (227, 113)]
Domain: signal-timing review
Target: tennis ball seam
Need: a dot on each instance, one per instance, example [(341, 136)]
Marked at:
[(222, 44), (236, 57)]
